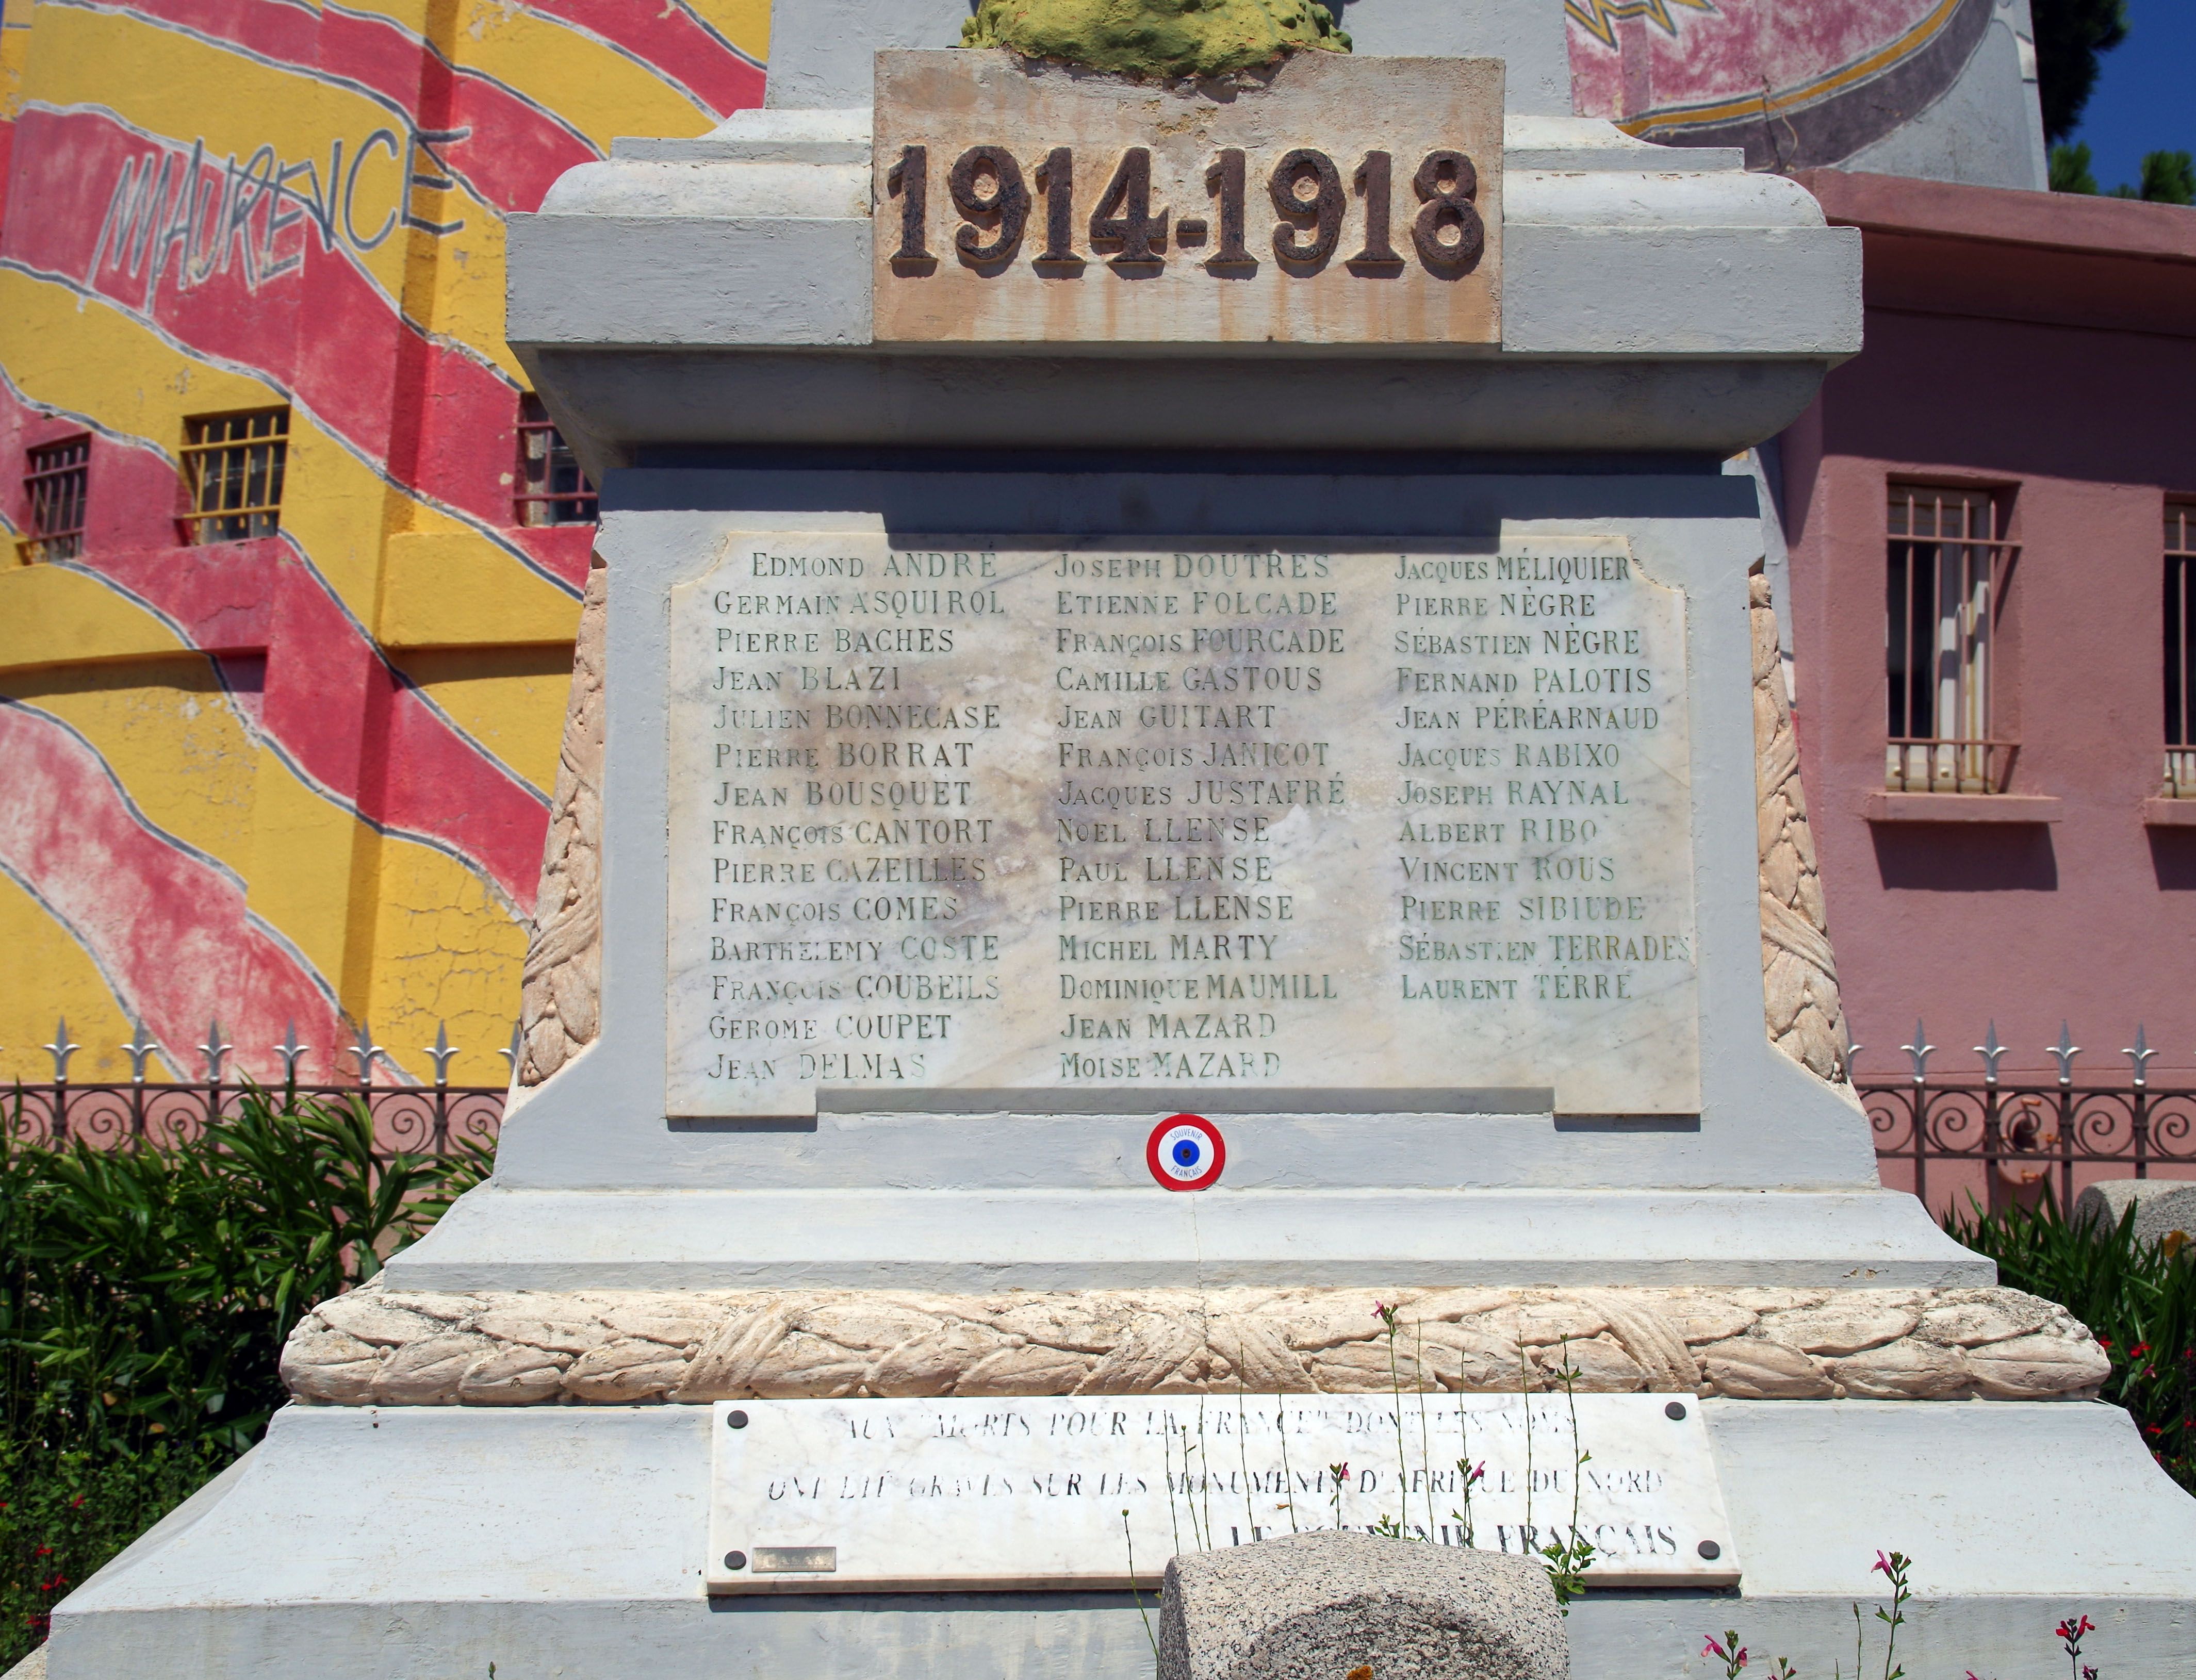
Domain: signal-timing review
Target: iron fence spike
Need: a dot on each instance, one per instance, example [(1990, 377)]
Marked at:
[(1919, 1050), (2140, 1054), (61, 1049), (441, 1052), (1990, 1051), (514, 1050), (215, 1051), (291, 1052), (366, 1050), (139, 1049), (2065, 1050)]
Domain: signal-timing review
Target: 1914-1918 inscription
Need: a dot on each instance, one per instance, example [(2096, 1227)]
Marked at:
[(1205, 826), (1329, 199)]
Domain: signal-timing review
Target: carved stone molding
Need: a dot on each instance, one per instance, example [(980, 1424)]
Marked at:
[(378, 1347), (1799, 976), (560, 989)]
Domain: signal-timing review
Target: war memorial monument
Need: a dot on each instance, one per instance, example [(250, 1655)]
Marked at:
[(1179, 860)]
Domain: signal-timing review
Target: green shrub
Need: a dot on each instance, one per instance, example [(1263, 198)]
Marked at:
[(1164, 38), (144, 1297), (2138, 1300), (65, 1512)]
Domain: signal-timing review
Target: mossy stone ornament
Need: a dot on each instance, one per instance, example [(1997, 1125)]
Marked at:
[(1160, 39)]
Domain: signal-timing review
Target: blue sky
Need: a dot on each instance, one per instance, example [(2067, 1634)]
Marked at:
[(2145, 96)]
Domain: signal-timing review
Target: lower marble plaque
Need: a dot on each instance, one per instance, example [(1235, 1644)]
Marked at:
[(973, 825), (913, 1495)]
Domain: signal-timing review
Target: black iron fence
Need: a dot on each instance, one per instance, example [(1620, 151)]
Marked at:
[(408, 1117), (2025, 1130)]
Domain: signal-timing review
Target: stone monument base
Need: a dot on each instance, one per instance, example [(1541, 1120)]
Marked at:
[(364, 1543)]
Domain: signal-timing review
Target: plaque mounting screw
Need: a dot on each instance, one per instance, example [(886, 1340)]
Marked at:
[(736, 1420), (1675, 1410), (1709, 1549), (736, 1560)]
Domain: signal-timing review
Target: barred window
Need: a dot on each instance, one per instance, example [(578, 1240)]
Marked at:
[(54, 487), (2181, 650), (232, 475), (552, 488), (1946, 584)]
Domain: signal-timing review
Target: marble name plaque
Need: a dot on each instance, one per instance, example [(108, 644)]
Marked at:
[(865, 1495), (1120, 826)]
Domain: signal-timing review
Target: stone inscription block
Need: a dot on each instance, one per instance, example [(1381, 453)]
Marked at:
[(1330, 200), (1143, 825), (914, 1495)]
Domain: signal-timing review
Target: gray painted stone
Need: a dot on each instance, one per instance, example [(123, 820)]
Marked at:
[(1986, 128), (2161, 1206), (609, 400), (1654, 297), (918, 1200), (670, 282), (821, 50), (1586, 289), (418, 1541), (1317, 1607), (1529, 39)]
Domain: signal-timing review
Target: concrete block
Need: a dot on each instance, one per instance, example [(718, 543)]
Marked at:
[(2161, 1207), (1319, 1606)]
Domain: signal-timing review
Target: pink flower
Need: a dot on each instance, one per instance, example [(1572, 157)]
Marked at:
[(2071, 1632), (1881, 1563)]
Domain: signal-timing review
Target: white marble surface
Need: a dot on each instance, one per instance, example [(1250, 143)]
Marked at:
[(1167, 827), (910, 1495)]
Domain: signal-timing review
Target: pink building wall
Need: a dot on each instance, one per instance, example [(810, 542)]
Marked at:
[(2048, 352)]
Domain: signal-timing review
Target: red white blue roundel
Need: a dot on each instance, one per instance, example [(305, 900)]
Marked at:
[(1186, 1152)]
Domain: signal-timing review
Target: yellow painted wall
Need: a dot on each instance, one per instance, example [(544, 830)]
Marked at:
[(302, 776)]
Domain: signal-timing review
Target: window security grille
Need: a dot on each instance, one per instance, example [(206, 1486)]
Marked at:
[(55, 489), (233, 466), (1947, 584), (552, 488), (2181, 650)]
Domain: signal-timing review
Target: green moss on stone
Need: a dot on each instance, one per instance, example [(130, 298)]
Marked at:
[(1157, 39)]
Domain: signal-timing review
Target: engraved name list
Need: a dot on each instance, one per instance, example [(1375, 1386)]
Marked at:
[(958, 818)]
